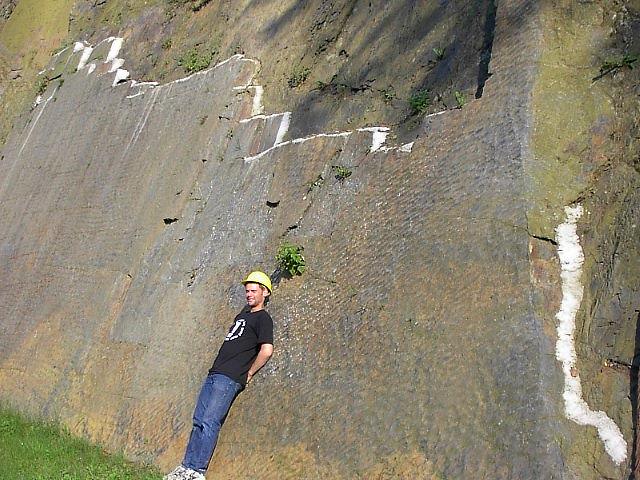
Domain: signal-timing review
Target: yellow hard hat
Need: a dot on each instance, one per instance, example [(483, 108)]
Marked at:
[(258, 277)]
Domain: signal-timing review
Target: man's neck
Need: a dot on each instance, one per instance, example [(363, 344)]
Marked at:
[(257, 308)]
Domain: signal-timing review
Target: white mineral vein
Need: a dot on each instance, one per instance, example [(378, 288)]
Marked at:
[(576, 409), (257, 107), (378, 137)]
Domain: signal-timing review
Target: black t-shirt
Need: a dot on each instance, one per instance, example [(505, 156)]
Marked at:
[(242, 344)]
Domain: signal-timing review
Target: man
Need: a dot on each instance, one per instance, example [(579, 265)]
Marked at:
[(245, 350)]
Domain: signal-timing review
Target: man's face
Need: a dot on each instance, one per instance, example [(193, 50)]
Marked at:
[(255, 294)]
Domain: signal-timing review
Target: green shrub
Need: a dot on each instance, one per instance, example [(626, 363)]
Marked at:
[(342, 172), (439, 53), (290, 259), (419, 102), (41, 85), (298, 76), (461, 100)]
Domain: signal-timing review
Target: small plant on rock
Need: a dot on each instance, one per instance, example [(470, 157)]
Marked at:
[(388, 94), (439, 53), (419, 102), (320, 85), (41, 85), (298, 76), (613, 65), (199, 4), (461, 100), (290, 259), (342, 172)]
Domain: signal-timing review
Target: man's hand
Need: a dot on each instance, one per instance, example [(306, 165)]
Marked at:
[(266, 350)]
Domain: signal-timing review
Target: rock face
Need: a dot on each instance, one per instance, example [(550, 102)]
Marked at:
[(422, 342)]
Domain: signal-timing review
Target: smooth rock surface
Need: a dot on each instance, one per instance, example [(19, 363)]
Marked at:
[(420, 343)]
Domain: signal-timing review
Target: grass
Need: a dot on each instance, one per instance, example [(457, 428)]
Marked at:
[(39, 451), (198, 58)]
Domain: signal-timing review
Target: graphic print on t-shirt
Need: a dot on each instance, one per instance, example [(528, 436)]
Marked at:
[(236, 331)]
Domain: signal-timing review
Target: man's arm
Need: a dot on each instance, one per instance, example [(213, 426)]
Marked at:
[(266, 350)]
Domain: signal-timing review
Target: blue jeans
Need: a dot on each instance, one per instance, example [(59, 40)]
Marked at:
[(214, 401)]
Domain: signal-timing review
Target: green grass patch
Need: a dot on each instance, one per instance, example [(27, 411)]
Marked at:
[(200, 57), (39, 451), (194, 61), (36, 27)]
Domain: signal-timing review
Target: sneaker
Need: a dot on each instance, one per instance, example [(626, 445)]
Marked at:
[(177, 473), (192, 475)]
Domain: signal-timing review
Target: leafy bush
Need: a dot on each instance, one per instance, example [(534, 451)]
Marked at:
[(460, 99), (290, 259), (419, 102), (342, 172)]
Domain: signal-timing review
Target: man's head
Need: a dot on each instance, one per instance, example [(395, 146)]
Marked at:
[(257, 288)]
